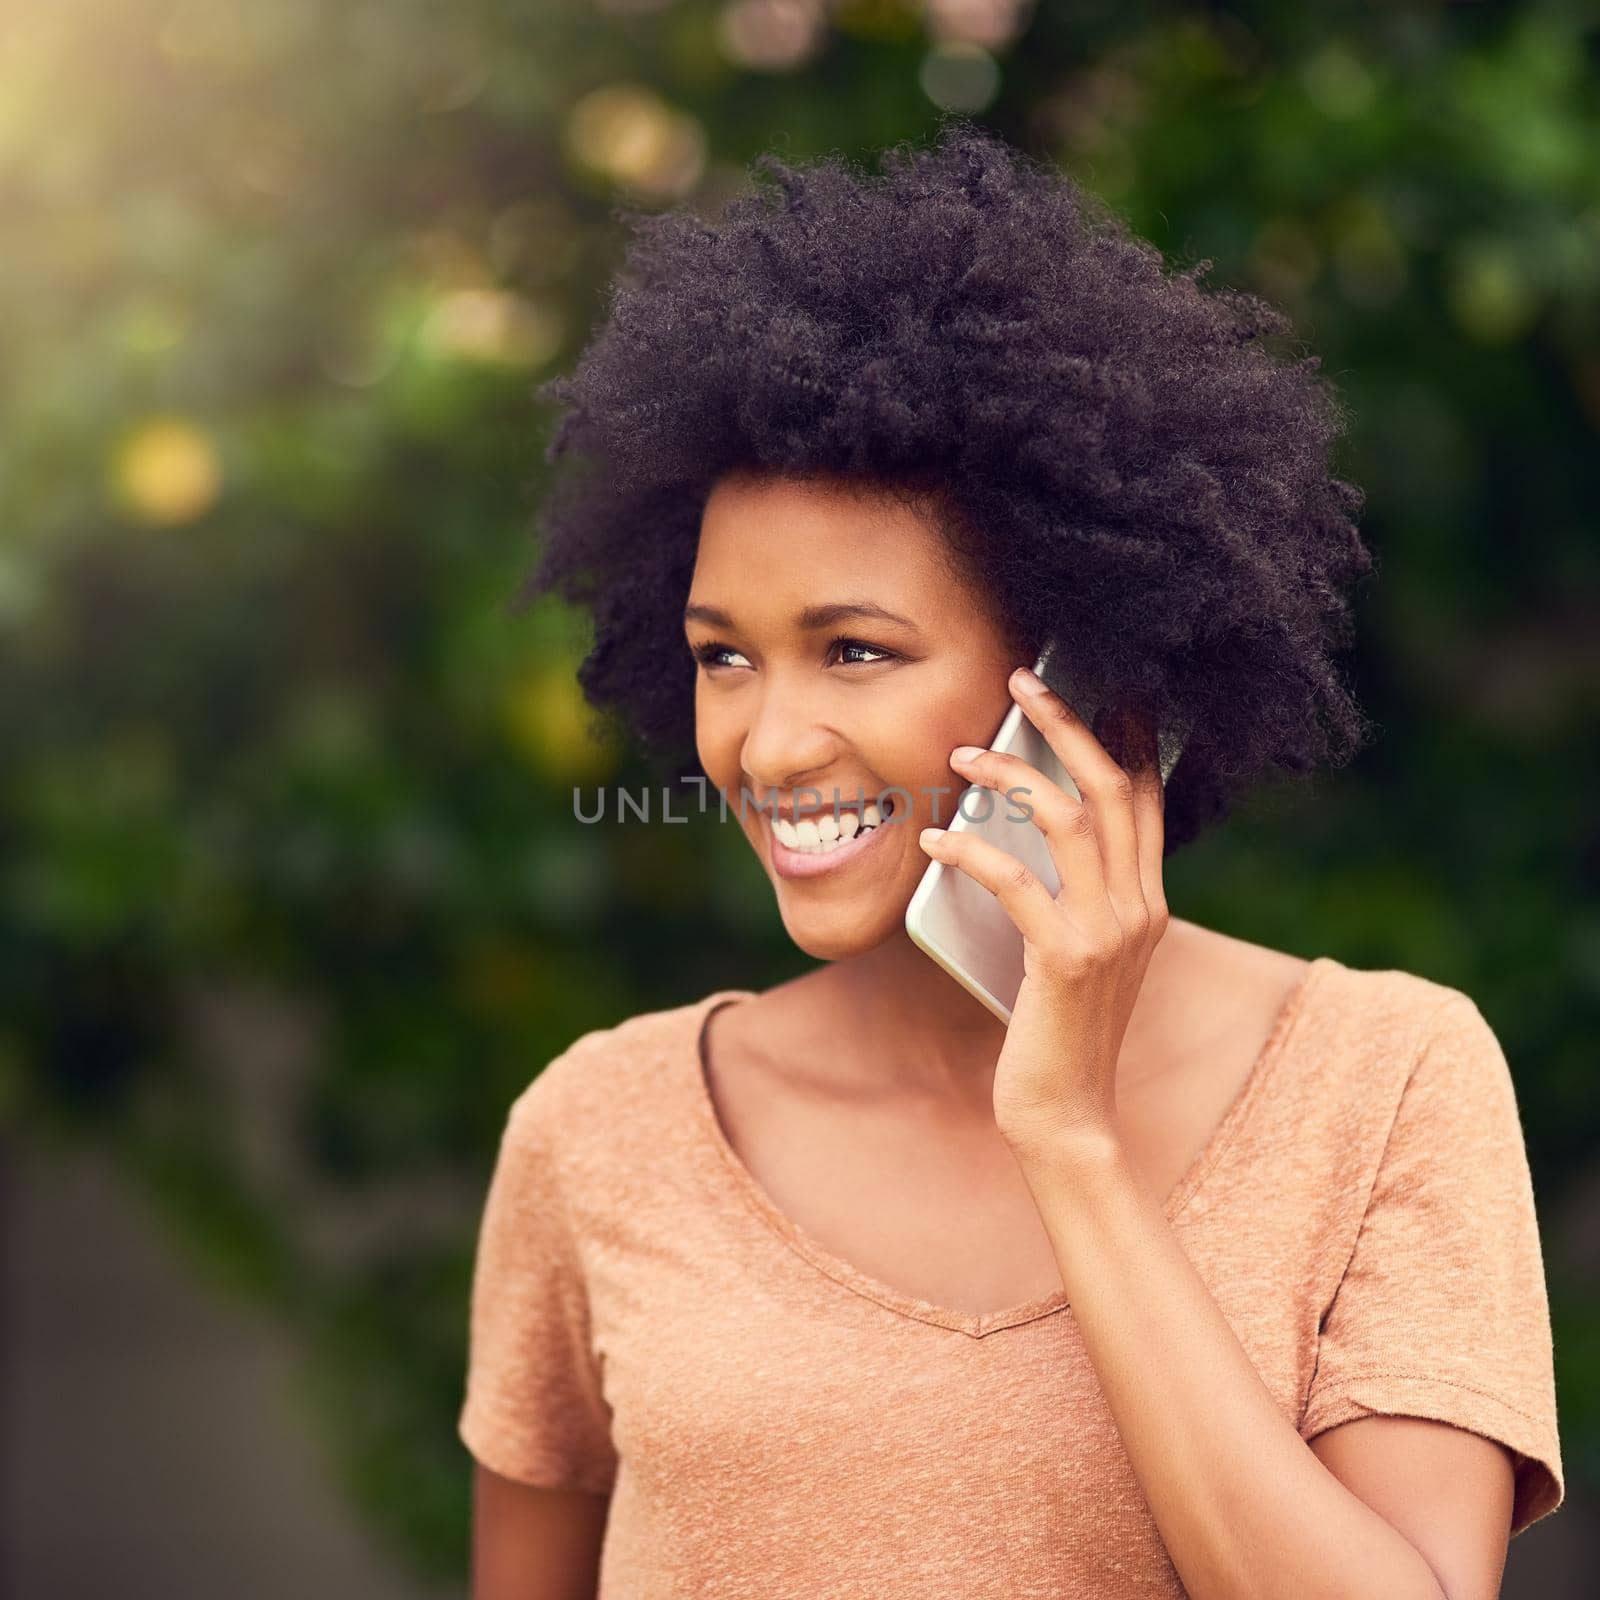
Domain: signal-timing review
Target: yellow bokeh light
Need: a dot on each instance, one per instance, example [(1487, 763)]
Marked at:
[(166, 471), (771, 35), (631, 135), (492, 325), (960, 77), (1490, 292), (547, 719)]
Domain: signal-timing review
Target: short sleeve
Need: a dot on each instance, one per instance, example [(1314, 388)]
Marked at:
[(534, 1409), (1442, 1311)]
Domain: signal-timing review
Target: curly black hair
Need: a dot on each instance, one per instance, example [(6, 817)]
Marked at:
[(1107, 448)]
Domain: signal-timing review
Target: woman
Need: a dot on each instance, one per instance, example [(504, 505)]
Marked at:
[(1217, 1271)]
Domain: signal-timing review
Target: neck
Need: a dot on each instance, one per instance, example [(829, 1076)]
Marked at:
[(920, 1032)]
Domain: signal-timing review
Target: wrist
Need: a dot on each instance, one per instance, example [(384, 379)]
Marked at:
[(1072, 1152)]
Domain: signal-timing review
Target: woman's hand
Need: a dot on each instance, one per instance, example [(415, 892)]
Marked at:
[(1085, 950)]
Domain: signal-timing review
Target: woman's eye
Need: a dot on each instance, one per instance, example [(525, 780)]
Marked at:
[(842, 645), (709, 654)]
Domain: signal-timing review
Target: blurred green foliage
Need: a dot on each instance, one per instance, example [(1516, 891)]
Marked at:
[(293, 899)]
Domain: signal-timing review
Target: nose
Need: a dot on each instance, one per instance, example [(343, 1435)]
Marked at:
[(786, 743)]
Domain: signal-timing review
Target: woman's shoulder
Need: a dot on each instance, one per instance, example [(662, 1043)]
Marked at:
[(631, 1071), (1349, 1021), (1381, 1069), (1379, 998), (1380, 1031), (1393, 1008)]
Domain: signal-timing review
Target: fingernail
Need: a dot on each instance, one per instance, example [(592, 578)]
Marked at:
[(930, 835), (1027, 678), (965, 752)]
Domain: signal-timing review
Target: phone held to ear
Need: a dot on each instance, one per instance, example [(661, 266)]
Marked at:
[(956, 921)]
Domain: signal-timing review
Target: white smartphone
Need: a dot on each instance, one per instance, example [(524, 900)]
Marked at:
[(956, 921)]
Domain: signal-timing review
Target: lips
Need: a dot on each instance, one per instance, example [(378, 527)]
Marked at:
[(800, 850)]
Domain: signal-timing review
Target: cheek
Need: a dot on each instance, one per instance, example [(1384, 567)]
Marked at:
[(915, 755), (710, 734), (718, 743), (926, 741), (974, 723)]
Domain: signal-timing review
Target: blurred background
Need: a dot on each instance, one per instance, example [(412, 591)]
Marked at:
[(292, 900)]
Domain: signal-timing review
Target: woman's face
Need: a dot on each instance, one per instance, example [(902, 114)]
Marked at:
[(898, 661)]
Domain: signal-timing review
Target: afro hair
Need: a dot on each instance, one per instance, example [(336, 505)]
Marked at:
[(1108, 449)]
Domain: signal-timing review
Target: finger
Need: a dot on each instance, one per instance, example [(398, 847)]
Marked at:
[(1068, 829), (1106, 788), (1025, 899), (1129, 738), (1150, 815)]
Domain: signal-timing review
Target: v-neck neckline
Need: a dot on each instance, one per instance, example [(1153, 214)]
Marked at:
[(908, 1305)]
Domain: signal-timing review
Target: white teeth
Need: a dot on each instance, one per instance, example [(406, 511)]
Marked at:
[(824, 834), (870, 816)]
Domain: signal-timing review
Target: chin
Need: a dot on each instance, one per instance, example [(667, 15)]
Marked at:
[(840, 936)]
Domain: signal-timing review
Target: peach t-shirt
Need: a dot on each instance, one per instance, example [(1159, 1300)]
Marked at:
[(768, 1420)]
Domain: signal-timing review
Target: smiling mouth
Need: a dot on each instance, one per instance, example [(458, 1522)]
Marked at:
[(822, 835)]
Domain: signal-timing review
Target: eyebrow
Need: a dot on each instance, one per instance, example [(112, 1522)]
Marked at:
[(809, 619)]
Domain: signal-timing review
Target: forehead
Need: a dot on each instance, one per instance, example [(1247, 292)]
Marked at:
[(768, 540)]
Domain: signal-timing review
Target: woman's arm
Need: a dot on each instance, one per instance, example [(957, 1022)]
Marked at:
[(1244, 1505), (534, 1544), (1386, 1506)]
